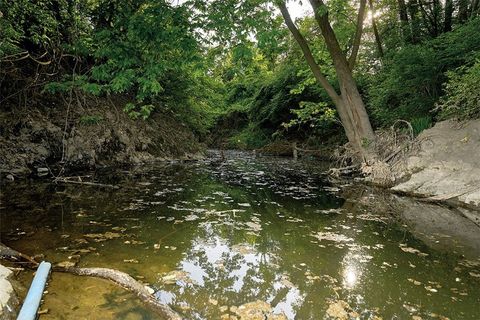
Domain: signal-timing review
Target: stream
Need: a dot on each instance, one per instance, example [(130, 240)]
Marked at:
[(245, 237)]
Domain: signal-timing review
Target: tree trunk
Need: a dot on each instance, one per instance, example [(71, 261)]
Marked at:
[(378, 40), (436, 11), (415, 26), (353, 103), (358, 35), (462, 10), (349, 104), (447, 23), (403, 16), (475, 8)]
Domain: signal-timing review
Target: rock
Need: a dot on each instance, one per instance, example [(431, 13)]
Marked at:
[(8, 298), (10, 177), (446, 166)]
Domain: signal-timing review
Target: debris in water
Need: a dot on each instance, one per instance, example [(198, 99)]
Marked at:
[(429, 288), (243, 249), (130, 260), (338, 310), (404, 248), (331, 236), (257, 310), (244, 204), (176, 275), (66, 264), (192, 217), (98, 237), (253, 226)]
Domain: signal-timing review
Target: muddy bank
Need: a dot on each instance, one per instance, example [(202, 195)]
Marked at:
[(52, 138), (445, 166)]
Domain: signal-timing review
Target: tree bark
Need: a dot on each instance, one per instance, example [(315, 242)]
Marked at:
[(349, 105), (403, 16), (475, 8), (307, 53), (358, 35), (353, 103), (415, 26), (378, 40), (462, 10)]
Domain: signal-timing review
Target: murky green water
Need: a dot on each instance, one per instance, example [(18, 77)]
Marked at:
[(211, 236)]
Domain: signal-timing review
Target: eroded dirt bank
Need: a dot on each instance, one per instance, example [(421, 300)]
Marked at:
[(49, 138), (446, 164)]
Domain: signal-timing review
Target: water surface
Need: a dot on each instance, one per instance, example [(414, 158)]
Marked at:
[(210, 236)]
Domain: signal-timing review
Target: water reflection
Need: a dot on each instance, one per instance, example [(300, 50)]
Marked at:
[(263, 233)]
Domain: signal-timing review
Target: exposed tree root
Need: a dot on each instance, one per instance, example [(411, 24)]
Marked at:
[(390, 151), (120, 278)]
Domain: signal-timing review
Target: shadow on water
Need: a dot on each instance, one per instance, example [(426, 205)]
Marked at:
[(213, 235)]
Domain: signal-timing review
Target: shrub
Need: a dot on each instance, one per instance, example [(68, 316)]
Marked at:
[(90, 120), (462, 98), (411, 81)]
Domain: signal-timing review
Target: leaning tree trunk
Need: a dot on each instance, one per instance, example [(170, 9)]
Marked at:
[(349, 104), (351, 99)]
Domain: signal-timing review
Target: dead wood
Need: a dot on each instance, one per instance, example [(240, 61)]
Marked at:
[(120, 278)]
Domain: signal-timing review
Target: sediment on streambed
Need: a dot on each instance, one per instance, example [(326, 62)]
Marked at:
[(54, 136)]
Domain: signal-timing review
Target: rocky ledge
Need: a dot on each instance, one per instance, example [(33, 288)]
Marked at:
[(446, 164)]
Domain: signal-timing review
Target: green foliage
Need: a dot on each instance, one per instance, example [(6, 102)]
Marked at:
[(136, 112), (420, 124), (251, 137), (411, 81), (141, 47), (38, 26), (462, 99), (89, 120), (312, 114), (407, 87), (76, 82)]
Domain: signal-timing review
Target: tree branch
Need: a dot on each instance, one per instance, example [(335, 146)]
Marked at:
[(118, 277), (308, 53), (358, 35), (378, 40)]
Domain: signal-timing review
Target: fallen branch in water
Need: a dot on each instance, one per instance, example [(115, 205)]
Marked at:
[(78, 180), (15, 256), (118, 277), (127, 282)]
